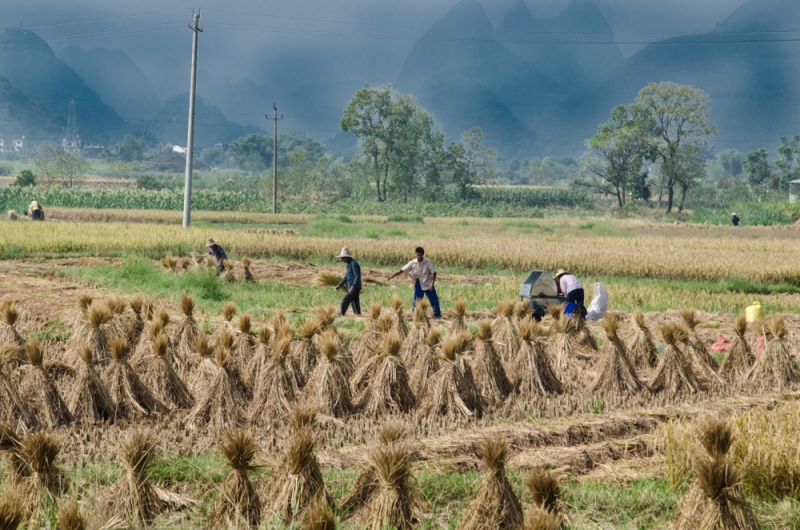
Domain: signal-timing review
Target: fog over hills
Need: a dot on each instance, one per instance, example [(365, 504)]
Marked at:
[(538, 77)]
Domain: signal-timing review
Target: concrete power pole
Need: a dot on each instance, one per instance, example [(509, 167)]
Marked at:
[(187, 193), (275, 158)]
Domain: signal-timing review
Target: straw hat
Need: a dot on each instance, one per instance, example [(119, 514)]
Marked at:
[(734, 213), (561, 272), (345, 253), (210, 242)]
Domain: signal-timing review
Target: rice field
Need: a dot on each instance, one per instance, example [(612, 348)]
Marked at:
[(148, 393)]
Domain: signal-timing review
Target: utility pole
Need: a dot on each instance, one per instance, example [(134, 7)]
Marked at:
[(275, 158), (187, 190)]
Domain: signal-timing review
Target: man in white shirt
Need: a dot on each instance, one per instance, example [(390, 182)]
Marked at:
[(570, 287), (423, 273)]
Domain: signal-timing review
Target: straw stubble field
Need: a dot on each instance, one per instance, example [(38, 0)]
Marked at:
[(156, 409)]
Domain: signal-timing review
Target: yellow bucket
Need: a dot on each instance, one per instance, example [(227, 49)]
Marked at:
[(754, 312)]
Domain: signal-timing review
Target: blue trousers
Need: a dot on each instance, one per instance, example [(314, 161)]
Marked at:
[(433, 298)]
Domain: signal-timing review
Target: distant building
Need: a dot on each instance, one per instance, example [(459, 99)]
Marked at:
[(14, 145), (92, 151), (178, 149), (72, 146), (223, 147), (172, 162)]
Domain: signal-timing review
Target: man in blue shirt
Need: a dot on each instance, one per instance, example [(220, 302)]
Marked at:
[(218, 253), (352, 278)]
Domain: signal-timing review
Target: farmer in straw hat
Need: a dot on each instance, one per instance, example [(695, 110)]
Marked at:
[(218, 253), (35, 211), (352, 278), (570, 287), (735, 219), (423, 273)]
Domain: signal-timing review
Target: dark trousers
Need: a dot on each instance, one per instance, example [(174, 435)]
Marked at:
[(433, 298), (576, 295), (36, 215), (352, 300)]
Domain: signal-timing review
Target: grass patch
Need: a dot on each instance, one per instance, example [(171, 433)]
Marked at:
[(400, 218)]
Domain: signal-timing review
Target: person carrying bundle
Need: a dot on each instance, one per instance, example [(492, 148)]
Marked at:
[(35, 211), (352, 278), (218, 253)]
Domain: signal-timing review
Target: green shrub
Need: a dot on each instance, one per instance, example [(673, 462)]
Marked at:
[(399, 218)]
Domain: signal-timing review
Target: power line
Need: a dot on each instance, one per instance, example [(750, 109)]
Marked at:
[(89, 20), (107, 33), (447, 28), (328, 33)]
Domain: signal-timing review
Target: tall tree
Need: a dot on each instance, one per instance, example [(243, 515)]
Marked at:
[(674, 116), (418, 153), (689, 169), (615, 158), (470, 160), (788, 162), (57, 167), (756, 167), (379, 117)]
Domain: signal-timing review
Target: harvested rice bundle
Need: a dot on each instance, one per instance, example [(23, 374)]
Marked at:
[(305, 350), (452, 391), (326, 279), (458, 314), (261, 357), (156, 372), (327, 386), (133, 497), (244, 343), (395, 500), (118, 324), (705, 372), (203, 365), (297, 483), (185, 333), (399, 317), (495, 505), (39, 391), (584, 337), (674, 373), (644, 354), (69, 516), (229, 275), (228, 312), (539, 519), (135, 324), (739, 359), (414, 343), (12, 510), (388, 389), (533, 374), (276, 388), (13, 409), (716, 497), (521, 311), (774, 368), (238, 503), (217, 404), (9, 314), (563, 331), (698, 347), (132, 399), (319, 516), (370, 338), (427, 362), (545, 493), (616, 373), (505, 332), (490, 376), (11, 444), (97, 334), (90, 401), (247, 276), (44, 479)]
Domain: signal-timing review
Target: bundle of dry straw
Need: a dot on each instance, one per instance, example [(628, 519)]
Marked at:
[(399, 317), (427, 363), (370, 338), (616, 373), (305, 350), (545, 493), (414, 343), (247, 276), (328, 387), (39, 391), (217, 405), (490, 376), (9, 314), (644, 353), (774, 368), (495, 505), (458, 314), (388, 390), (132, 398), (90, 401), (12, 511), (185, 333), (156, 372), (43, 480), (275, 390), (739, 359), (533, 373), (133, 497), (452, 392), (13, 409), (505, 332), (238, 503), (135, 324), (674, 373)]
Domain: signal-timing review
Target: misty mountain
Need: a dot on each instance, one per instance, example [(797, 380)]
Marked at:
[(753, 85), (573, 65), (494, 88), (117, 79), (31, 66), (211, 125), (19, 116)]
